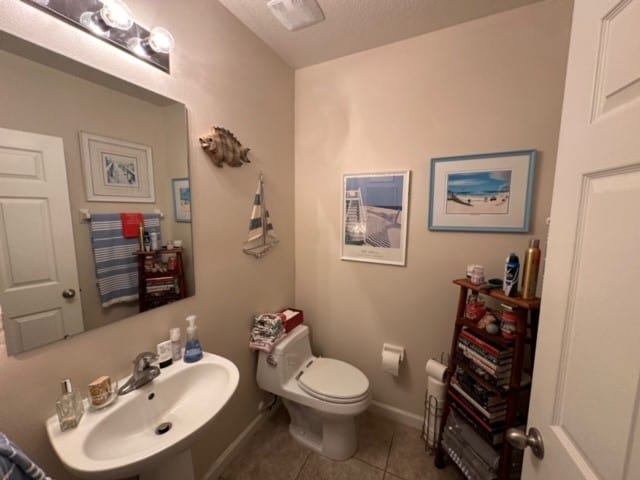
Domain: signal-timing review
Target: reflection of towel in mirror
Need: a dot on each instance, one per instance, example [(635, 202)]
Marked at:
[(116, 264), (266, 332), (15, 465)]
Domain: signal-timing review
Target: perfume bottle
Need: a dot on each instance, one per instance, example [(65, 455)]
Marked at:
[(69, 406)]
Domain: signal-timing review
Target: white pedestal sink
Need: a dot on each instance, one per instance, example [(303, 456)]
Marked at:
[(149, 425)]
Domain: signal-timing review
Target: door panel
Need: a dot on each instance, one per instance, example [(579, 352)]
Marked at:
[(28, 246), (599, 374), (31, 331), (618, 74)]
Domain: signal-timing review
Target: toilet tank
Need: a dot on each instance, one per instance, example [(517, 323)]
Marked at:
[(288, 356)]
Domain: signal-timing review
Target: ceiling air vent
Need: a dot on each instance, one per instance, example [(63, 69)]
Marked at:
[(296, 14)]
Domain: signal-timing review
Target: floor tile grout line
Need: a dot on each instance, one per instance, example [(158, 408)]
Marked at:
[(386, 463), (366, 463), (309, 453)]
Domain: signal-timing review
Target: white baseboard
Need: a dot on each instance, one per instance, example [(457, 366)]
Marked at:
[(232, 450), (397, 415)]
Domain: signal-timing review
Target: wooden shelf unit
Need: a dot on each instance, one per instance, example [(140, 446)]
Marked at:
[(525, 334), (146, 277)]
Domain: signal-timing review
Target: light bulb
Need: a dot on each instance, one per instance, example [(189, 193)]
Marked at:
[(116, 14), (113, 14), (160, 40)]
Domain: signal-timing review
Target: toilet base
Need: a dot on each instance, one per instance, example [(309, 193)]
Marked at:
[(333, 436)]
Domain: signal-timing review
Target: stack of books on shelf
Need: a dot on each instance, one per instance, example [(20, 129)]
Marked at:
[(490, 362), (476, 388), (160, 286)]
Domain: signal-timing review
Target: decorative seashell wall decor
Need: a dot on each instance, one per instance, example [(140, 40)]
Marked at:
[(223, 147)]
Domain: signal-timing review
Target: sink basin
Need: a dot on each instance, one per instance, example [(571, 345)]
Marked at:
[(150, 423)]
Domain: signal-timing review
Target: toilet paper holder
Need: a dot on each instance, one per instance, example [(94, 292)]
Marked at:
[(387, 347)]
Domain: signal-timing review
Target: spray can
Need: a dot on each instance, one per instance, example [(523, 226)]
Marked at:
[(530, 268), (511, 275)]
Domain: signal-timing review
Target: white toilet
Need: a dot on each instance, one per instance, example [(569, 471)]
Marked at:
[(322, 395)]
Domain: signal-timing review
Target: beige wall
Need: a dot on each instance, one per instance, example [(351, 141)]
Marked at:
[(225, 76), (490, 85)]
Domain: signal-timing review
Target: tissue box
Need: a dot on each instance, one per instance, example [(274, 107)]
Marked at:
[(292, 318)]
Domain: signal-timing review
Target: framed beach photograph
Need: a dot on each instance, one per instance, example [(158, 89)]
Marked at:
[(489, 192), (374, 217), (181, 199), (116, 170)]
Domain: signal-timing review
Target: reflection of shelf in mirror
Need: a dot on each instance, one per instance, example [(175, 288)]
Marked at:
[(85, 214)]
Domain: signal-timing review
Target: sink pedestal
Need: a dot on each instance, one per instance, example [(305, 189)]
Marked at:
[(177, 466)]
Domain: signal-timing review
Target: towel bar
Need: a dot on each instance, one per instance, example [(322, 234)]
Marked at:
[(85, 214)]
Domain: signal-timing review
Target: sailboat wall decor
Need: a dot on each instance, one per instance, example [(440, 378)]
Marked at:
[(261, 235)]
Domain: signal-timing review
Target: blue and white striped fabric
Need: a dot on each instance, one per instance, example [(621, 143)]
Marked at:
[(116, 264), (15, 465)]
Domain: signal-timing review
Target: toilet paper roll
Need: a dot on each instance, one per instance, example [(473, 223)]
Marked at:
[(436, 370), (391, 362), (436, 388)]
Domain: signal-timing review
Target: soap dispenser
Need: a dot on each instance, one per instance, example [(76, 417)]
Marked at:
[(193, 349), (69, 406)]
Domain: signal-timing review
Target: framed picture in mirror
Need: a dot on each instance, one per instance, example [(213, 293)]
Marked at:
[(181, 199), (116, 170)]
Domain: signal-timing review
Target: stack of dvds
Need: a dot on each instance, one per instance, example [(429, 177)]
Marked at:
[(161, 286)]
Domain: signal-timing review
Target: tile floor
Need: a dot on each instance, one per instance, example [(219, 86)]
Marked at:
[(387, 451)]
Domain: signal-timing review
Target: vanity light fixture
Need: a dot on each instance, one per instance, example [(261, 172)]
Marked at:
[(112, 21)]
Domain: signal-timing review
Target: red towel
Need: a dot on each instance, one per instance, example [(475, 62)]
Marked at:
[(131, 223)]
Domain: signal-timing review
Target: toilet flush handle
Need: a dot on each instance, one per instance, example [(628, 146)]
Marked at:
[(272, 361)]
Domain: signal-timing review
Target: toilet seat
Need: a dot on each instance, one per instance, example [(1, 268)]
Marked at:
[(334, 381)]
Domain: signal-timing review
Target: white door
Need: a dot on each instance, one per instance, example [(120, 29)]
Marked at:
[(37, 255), (586, 390)]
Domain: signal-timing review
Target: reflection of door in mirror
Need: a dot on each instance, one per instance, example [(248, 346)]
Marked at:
[(39, 288), (48, 100)]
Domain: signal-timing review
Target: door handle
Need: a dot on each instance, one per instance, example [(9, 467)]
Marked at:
[(69, 293), (533, 439)]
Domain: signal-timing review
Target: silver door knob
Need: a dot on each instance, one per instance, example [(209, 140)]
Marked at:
[(69, 293), (533, 439)]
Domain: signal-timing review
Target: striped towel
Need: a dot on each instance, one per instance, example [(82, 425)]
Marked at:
[(116, 264), (15, 465)]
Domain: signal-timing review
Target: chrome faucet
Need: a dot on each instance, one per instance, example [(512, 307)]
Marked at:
[(143, 372)]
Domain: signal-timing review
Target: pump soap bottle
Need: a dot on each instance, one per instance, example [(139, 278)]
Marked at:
[(69, 406), (193, 349)]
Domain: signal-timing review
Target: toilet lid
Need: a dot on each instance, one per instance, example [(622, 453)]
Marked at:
[(328, 378)]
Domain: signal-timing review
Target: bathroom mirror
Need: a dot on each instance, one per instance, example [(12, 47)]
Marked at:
[(44, 93)]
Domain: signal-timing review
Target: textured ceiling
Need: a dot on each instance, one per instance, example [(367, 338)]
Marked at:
[(355, 25)]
